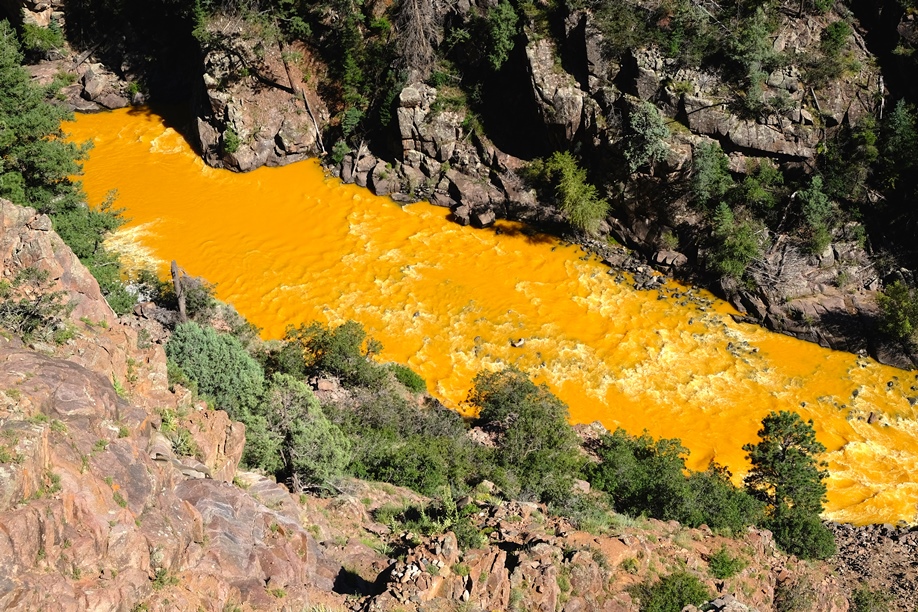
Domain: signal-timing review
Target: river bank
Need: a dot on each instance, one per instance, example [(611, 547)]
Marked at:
[(287, 245)]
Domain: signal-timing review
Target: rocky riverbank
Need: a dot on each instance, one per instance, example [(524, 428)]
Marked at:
[(261, 100)]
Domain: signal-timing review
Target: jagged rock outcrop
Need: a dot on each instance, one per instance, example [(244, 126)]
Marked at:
[(567, 111), (97, 509), (444, 160), (536, 562), (257, 108)]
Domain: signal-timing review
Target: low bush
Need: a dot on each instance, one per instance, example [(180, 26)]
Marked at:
[(671, 593), (31, 309), (343, 351), (723, 565), (866, 599), (424, 448), (219, 365), (408, 377), (899, 308)]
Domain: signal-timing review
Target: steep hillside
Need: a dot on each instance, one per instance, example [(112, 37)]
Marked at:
[(121, 494)]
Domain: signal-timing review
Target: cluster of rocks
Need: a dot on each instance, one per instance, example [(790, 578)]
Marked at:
[(539, 562), (256, 109), (883, 558), (443, 161)]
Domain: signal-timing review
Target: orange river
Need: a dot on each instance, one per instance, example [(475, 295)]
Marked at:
[(287, 245)]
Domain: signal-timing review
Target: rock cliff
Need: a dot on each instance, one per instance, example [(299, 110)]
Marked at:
[(101, 508)]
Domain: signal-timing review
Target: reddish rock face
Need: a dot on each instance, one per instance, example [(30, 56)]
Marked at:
[(96, 510)]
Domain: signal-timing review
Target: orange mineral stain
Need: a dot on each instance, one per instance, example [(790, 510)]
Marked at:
[(288, 245)]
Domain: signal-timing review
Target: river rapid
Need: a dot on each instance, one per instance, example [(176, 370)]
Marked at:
[(288, 245)]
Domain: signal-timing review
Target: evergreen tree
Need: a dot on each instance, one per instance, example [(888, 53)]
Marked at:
[(573, 194), (711, 178), (313, 449), (36, 166), (789, 478), (37, 162)]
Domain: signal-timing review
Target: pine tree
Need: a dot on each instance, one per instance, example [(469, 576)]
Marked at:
[(36, 166), (37, 162), (786, 471), (789, 477)]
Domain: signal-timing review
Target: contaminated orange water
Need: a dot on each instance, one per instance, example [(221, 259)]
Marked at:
[(287, 245)]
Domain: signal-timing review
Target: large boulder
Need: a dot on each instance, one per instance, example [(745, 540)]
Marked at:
[(566, 110), (256, 108)]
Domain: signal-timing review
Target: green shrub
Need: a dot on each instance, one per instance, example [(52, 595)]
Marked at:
[(711, 178), (219, 365), (762, 189), (30, 308), (408, 377), (718, 504), (397, 442), (646, 142), (898, 146), (231, 141), (735, 244), (571, 191), (339, 150), (802, 534), (865, 599), (36, 39), (644, 476), (671, 593), (537, 448), (591, 512), (834, 38), (313, 449), (899, 308), (723, 565), (501, 29), (343, 351), (183, 443), (817, 211)]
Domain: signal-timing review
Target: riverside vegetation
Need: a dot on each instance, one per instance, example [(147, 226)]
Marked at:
[(378, 431)]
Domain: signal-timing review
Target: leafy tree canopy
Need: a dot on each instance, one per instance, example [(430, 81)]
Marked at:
[(537, 447)]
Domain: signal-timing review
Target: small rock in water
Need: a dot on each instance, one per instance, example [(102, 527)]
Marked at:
[(518, 343)]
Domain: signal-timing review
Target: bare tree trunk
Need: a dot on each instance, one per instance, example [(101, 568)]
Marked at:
[(177, 275), (299, 93), (418, 25)]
